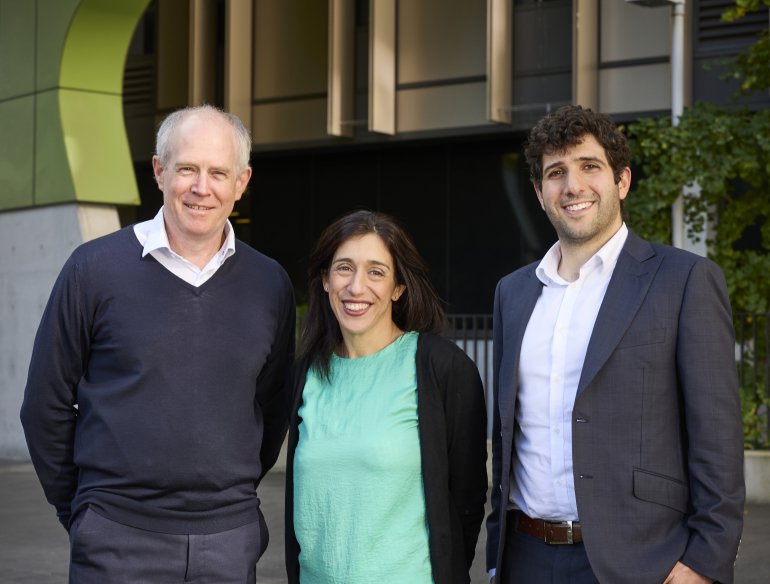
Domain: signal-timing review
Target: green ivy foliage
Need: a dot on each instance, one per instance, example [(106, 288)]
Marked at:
[(712, 146), (742, 8), (755, 436), (751, 68)]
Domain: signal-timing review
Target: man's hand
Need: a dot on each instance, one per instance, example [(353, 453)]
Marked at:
[(492, 580), (681, 574)]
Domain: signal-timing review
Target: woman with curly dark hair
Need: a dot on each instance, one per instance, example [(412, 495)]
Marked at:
[(386, 470)]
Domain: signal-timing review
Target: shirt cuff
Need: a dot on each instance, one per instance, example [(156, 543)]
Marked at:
[(492, 572)]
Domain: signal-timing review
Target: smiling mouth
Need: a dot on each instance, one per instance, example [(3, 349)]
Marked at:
[(197, 207), (356, 307), (579, 206)]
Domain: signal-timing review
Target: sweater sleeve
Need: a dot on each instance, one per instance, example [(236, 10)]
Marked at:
[(49, 413), (270, 396), (467, 434)]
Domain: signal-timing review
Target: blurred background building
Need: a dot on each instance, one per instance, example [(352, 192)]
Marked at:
[(417, 108)]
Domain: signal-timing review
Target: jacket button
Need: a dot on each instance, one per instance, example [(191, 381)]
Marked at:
[(501, 488)]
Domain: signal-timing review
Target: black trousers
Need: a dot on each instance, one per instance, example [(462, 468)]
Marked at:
[(106, 552), (528, 560)]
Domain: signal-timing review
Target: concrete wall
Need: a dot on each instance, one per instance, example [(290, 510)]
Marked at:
[(756, 471), (34, 244)]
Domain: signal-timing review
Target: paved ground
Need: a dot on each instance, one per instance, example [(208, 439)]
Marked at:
[(34, 548)]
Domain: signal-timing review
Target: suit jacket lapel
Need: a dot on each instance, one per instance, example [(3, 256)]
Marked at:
[(631, 279), (521, 308)]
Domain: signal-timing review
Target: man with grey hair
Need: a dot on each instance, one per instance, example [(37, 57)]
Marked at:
[(154, 403)]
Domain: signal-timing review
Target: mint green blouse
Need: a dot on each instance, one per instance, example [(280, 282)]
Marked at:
[(359, 505)]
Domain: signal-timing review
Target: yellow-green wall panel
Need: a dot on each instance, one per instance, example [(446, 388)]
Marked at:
[(73, 145), (16, 152), (53, 181), (97, 147), (17, 48), (53, 22), (97, 43)]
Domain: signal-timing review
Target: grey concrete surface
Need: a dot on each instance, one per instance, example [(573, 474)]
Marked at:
[(35, 244), (34, 547)]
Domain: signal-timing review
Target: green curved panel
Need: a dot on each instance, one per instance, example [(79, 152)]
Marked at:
[(62, 134), (53, 24), (90, 102), (53, 179), (97, 44), (17, 47), (16, 152), (97, 147)]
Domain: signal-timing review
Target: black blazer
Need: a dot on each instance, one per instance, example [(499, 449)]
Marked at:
[(657, 443), (453, 447)]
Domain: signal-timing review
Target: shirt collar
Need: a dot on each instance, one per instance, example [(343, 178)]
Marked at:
[(157, 238), (548, 269)]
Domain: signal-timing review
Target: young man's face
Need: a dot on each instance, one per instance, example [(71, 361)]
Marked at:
[(579, 193)]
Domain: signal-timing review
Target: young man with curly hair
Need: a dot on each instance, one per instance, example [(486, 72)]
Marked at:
[(617, 422)]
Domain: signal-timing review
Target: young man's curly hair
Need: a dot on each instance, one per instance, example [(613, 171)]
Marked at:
[(566, 128)]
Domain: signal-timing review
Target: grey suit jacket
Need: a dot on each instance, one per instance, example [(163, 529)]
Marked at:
[(657, 442)]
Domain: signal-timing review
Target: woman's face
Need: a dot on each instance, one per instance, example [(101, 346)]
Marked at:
[(362, 288)]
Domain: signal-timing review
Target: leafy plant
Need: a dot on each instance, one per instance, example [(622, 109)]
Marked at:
[(712, 147), (754, 424), (719, 159), (742, 8)]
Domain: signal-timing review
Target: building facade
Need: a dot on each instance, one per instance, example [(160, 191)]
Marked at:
[(416, 108)]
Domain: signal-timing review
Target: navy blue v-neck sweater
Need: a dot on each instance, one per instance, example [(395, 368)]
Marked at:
[(179, 389)]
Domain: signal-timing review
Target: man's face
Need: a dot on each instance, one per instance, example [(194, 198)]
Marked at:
[(200, 184), (579, 193)]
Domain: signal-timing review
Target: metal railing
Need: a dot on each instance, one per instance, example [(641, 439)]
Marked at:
[(473, 334), (753, 361)]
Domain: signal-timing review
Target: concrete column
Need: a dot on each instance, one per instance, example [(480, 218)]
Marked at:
[(499, 60), (585, 53), (382, 66), (34, 245), (239, 50), (202, 51), (341, 93)]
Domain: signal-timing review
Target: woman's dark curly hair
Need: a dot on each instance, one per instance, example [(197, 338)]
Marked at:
[(566, 128), (417, 309)]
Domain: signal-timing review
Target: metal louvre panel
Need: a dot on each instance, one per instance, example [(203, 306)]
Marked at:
[(711, 30), (138, 80)]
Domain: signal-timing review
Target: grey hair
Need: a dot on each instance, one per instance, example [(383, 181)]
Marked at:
[(163, 146)]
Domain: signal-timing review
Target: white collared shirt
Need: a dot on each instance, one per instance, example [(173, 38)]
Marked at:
[(552, 354), (152, 236)]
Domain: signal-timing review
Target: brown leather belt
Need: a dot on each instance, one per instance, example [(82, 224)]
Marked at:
[(553, 532)]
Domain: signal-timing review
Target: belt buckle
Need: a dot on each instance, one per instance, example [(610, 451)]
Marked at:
[(569, 532)]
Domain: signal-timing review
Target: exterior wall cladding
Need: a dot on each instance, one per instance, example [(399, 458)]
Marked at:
[(457, 180), (438, 163)]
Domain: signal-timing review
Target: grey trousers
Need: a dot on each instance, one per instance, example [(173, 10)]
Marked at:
[(106, 552), (528, 560)]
